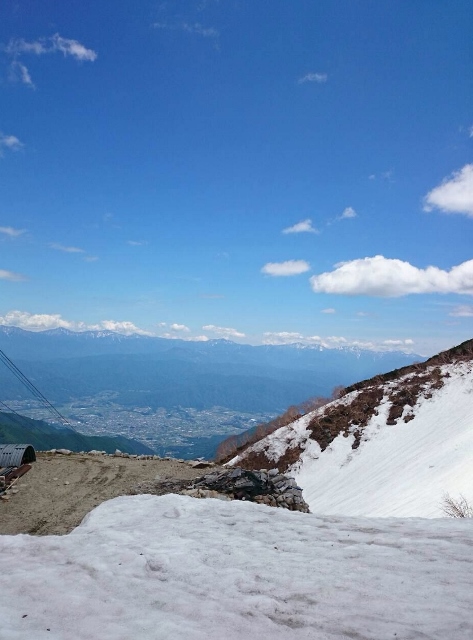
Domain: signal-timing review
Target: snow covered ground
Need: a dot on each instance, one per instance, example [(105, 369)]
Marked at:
[(173, 567), (403, 469)]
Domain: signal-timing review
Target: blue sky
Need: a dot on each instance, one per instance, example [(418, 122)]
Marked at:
[(264, 170)]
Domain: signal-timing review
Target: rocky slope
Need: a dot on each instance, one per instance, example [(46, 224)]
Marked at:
[(389, 446)]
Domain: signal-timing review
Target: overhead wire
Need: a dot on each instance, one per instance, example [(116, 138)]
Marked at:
[(33, 389)]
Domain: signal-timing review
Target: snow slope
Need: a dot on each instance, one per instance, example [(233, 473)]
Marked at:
[(401, 469), (173, 567)]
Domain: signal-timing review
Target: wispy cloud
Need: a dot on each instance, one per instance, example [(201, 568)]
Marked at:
[(16, 48), (470, 131), (334, 342), (12, 143), (195, 28), (223, 332), (329, 310), (287, 268), (61, 247), (90, 258), (53, 44), (305, 226), (137, 243), (11, 276), (454, 194), (462, 311), (19, 72), (313, 77), (11, 232), (348, 212), (384, 277)]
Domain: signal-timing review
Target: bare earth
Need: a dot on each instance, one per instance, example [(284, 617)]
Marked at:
[(56, 494)]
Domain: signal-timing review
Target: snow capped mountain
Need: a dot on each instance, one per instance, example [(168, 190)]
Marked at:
[(393, 445)]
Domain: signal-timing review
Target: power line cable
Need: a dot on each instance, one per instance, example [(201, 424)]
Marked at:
[(33, 389)]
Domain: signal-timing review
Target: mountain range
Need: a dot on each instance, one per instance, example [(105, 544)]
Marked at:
[(394, 445), (159, 372)]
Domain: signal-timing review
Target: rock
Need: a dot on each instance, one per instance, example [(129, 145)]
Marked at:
[(200, 464), (64, 452)]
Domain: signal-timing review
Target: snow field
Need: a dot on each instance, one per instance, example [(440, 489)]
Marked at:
[(173, 567), (398, 470)]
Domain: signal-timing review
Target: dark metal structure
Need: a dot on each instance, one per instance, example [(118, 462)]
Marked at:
[(14, 455)]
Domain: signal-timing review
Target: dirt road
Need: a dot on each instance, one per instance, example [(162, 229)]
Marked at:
[(59, 490)]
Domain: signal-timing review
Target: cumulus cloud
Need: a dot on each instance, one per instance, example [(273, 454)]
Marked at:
[(223, 332), (12, 143), (61, 247), (385, 277), (454, 194), (462, 311), (179, 327), (301, 227), (313, 77), (287, 268), (11, 232), (398, 343), (44, 321), (11, 276)]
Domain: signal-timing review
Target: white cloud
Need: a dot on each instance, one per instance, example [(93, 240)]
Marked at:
[(462, 311), (124, 327), (398, 343), (454, 194), (348, 212), (136, 243), (12, 143), (54, 44), (334, 342), (61, 247), (224, 332), (90, 258), (282, 337), (179, 327), (288, 268), (330, 310), (385, 277), (313, 77), (44, 321), (72, 48), (198, 339), (10, 231), (301, 227), (11, 276), (19, 72), (470, 131)]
